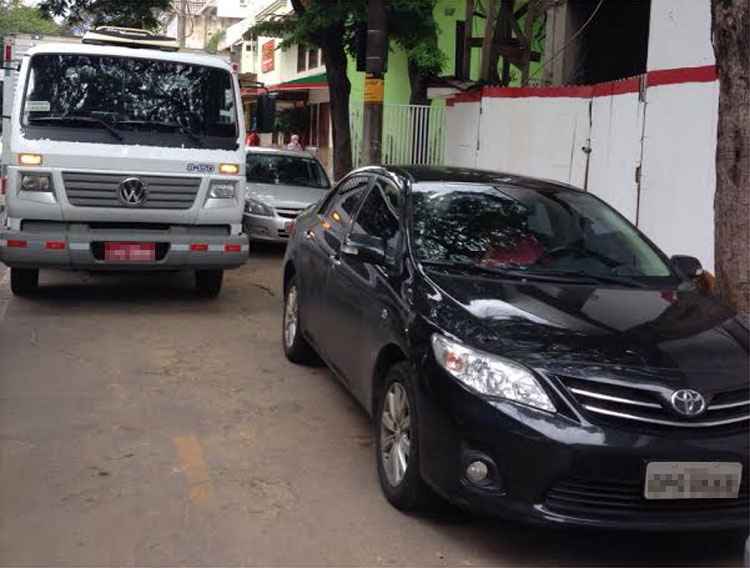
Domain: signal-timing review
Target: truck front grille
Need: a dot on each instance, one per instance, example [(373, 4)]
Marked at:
[(85, 189)]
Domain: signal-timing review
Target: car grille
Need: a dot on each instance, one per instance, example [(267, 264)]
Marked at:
[(85, 189), (625, 404), (287, 213), (583, 496)]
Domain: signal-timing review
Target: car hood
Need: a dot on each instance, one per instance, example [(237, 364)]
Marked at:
[(677, 334), (292, 196)]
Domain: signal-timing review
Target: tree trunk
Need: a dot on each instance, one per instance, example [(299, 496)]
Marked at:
[(418, 85), (339, 87), (731, 39)]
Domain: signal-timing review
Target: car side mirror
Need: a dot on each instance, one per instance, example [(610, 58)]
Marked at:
[(365, 249), (689, 266)]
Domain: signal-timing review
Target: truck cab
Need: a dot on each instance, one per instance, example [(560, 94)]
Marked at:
[(121, 153)]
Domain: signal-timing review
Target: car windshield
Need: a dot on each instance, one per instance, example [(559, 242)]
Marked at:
[(129, 100), (536, 231), (286, 170)]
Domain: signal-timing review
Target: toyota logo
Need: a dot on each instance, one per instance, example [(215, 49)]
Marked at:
[(133, 192), (688, 402)]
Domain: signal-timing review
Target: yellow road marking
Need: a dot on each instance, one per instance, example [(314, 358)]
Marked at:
[(190, 453)]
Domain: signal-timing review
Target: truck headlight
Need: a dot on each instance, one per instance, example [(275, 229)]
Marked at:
[(255, 207), (489, 375), (36, 182), (221, 191)]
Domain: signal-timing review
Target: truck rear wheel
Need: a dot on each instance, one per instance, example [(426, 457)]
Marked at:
[(24, 281), (208, 282)]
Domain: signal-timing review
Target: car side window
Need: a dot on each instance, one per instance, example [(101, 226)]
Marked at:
[(340, 210), (379, 215)]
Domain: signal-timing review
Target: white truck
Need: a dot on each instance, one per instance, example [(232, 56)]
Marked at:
[(121, 153)]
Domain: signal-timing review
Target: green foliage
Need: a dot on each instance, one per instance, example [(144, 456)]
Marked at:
[(212, 45), (410, 24), (17, 18), (90, 13)]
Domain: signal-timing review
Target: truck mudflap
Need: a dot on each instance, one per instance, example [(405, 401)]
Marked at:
[(86, 250)]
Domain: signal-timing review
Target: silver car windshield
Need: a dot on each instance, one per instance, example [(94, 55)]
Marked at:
[(286, 170)]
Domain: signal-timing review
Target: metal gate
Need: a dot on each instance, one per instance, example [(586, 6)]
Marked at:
[(412, 134)]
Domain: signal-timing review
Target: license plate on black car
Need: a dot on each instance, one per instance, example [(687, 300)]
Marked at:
[(692, 480)]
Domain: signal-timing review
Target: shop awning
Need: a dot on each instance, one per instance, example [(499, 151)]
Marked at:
[(313, 82)]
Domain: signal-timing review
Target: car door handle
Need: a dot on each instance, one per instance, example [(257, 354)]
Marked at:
[(335, 259), (309, 235)]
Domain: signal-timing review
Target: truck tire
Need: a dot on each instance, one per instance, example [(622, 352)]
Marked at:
[(24, 281), (208, 282)]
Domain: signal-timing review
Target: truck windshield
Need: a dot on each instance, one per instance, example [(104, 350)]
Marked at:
[(131, 101)]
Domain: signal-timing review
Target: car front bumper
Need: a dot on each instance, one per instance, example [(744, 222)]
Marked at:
[(552, 469), (79, 247), (262, 228)]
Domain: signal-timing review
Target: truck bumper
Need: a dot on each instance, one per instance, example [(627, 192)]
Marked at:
[(78, 247)]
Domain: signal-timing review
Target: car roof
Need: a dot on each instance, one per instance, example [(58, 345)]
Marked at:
[(449, 174), (278, 152)]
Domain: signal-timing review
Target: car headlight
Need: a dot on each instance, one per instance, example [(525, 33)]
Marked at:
[(255, 207), (36, 182), (490, 375), (221, 191)]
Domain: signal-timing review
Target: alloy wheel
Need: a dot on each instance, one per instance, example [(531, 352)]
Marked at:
[(395, 434), (291, 317)]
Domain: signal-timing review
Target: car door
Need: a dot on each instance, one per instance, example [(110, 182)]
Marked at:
[(320, 244), (358, 296)]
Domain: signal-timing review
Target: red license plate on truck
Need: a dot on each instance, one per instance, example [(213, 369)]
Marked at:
[(130, 252)]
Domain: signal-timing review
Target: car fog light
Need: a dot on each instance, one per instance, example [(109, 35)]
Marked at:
[(477, 471)]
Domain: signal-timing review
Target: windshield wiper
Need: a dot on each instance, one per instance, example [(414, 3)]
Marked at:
[(170, 126), (580, 274), (81, 120), (525, 274)]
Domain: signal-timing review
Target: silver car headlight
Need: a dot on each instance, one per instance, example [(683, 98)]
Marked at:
[(255, 207), (490, 375)]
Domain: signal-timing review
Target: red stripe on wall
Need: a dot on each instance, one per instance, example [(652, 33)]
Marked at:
[(703, 74)]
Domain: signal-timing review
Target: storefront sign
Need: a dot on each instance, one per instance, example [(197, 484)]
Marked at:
[(267, 54)]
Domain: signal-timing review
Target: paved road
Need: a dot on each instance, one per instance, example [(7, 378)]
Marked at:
[(139, 425)]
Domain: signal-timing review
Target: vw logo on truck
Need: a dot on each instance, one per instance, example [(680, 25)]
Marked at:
[(133, 192)]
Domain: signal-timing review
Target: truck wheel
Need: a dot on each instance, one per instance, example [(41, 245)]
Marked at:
[(208, 282), (24, 281)]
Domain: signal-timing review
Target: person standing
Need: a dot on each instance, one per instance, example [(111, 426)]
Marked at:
[(295, 144), (252, 139)]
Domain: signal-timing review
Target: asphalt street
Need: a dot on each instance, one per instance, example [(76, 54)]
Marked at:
[(140, 425)]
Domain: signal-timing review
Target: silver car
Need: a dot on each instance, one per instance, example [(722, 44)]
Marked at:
[(280, 183)]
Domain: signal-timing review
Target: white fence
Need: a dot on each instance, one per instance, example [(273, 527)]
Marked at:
[(412, 134)]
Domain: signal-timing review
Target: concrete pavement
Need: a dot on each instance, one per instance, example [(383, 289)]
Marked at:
[(140, 425)]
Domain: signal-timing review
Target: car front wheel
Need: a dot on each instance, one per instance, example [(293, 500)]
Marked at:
[(296, 347), (397, 447)]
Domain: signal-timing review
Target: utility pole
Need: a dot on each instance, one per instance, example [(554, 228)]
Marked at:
[(181, 16), (372, 131)]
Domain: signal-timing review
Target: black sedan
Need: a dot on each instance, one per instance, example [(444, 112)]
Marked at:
[(524, 351)]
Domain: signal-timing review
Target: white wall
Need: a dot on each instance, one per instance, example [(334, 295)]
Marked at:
[(515, 132), (680, 34), (679, 169), (616, 131), (543, 137), (462, 125)]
